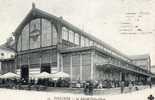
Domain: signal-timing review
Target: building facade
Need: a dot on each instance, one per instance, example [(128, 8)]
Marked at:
[(7, 59), (48, 43), (7, 65), (143, 61), (153, 69), (6, 53)]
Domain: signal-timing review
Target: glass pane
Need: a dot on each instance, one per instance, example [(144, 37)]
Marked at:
[(46, 33), (77, 38), (86, 61), (87, 42), (64, 33), (91, 43), (71, 36), (66, 64), (35, 58), (24, 59), (25, 38), (75, 67), (54, 58), (82, 41), (45, 57), (35, 25), (54, 35), (35, 34)]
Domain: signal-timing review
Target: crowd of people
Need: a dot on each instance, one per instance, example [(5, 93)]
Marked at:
[(18, 83), (88, 86)]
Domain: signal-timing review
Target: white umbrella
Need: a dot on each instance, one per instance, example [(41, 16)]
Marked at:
[(60, 74), (10, 75), (41, 75)]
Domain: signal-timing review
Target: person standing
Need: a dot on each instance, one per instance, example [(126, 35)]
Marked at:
[(122, 86), (150, 83), (130, 86), (86, 88), (91, 87)]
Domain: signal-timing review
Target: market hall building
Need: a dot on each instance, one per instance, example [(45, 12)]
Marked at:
[(48, 43)]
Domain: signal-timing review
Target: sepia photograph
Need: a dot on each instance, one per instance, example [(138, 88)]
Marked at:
[(77, 49)]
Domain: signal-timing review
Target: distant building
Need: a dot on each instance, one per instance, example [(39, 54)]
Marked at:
[(142, 61), (6, 53), (7, 57), (7, 65), (153, 69), (45, 42)]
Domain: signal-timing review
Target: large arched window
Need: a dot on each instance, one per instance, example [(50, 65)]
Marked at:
[(37, 33), (25, 38), (46, 33)]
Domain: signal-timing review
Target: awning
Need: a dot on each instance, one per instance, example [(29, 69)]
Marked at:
[(9, 75), (110, 65)]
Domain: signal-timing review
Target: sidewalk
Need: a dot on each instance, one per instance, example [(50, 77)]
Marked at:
[(103, 91), (11, 94), (117, 90)]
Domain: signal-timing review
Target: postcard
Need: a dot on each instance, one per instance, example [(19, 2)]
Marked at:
[(77, 49)]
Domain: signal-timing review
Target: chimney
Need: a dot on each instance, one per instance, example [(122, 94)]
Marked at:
[(33, 5)]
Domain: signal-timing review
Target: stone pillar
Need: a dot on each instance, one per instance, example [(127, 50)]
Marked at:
[(0, 67), (20, 65), (61, 60), (92, 65), (15, 65), (51, 60), (80, 67), (71, 67), (29, 65), (120, 78), (59, 30), (58, 62), (40, 62), (40, 43)]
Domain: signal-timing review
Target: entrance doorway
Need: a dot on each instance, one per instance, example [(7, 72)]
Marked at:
[(123, 76), (45, 68), (24, 72)]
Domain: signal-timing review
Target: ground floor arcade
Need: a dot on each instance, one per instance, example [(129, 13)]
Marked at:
[(81, 64)]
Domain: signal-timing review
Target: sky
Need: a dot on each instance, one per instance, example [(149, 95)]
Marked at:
[(100, 18)]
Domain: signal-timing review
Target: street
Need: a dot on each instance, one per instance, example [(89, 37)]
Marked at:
[(8, 94)]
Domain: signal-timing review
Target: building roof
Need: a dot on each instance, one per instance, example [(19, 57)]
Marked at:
[(136, 57), (8, 59), (40, 13), (43, 14), (3, 47)]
